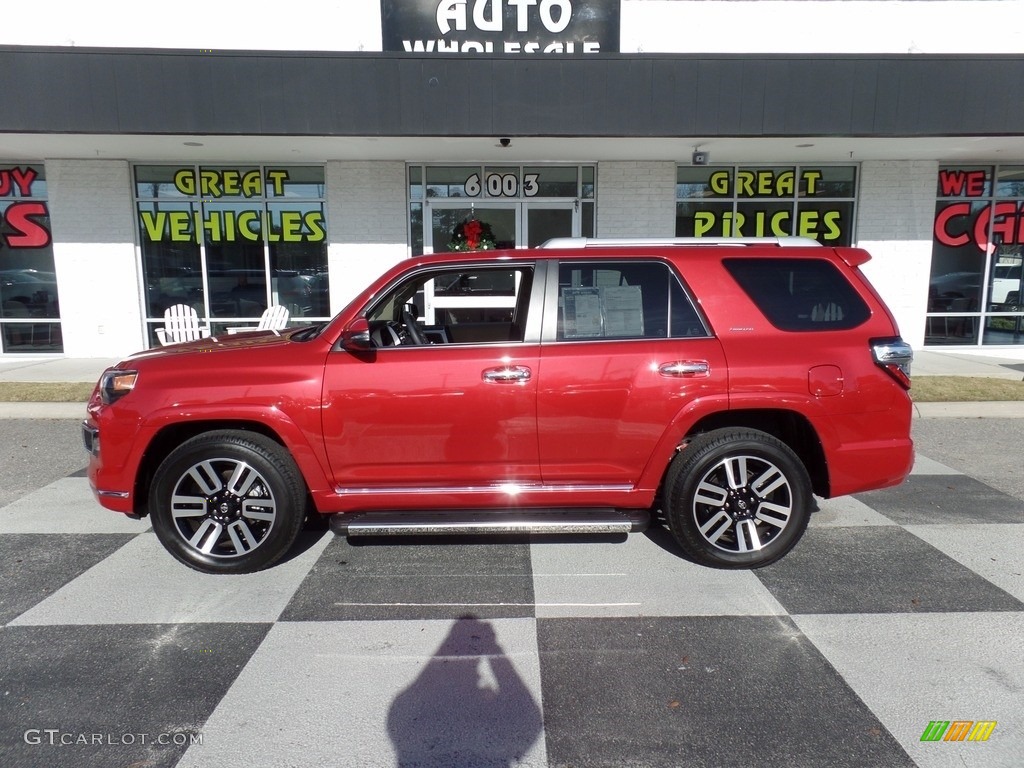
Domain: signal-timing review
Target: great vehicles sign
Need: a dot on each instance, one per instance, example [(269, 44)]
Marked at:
[(237, 205), (500, 27)]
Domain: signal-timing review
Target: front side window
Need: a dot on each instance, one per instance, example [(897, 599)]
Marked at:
[(464, 305), (623, 300), (230, 241), (800, 294)]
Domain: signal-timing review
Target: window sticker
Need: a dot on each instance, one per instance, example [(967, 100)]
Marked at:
[(581, 313), (610, 311)]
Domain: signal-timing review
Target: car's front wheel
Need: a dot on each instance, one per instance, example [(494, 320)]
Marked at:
[(737, 498), (227, 502)]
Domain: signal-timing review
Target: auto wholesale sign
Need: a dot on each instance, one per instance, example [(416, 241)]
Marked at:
[(500, 27)]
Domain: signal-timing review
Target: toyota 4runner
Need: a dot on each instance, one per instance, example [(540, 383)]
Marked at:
[(586, 386)]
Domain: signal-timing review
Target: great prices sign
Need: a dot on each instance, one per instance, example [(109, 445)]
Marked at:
[(505, 27), (814, 202)]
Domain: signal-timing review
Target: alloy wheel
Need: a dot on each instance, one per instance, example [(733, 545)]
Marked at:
[(223, 508), (742, 503)]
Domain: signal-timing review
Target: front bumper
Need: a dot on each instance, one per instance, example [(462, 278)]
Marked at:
[(112, 498)]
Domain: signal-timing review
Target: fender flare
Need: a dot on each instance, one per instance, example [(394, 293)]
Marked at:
[(701, 408), (273, 418)]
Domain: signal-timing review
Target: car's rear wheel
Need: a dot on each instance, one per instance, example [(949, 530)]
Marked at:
[(737, 498), (227, 502)]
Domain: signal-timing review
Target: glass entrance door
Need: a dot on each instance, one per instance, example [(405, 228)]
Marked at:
[(461, 227), (521, 205), (458, 227), (500, 222), (544, 221), (504, 225)]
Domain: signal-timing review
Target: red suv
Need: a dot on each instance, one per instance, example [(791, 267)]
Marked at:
[(588, 385)]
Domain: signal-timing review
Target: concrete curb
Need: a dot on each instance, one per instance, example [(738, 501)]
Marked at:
[(1008, 409), (42, 411)]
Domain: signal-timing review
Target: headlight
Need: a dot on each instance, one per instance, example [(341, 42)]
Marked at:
[(115, 384)]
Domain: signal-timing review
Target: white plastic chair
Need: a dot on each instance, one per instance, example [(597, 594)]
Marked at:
[(274, 318), (825, 313), (181, 323)]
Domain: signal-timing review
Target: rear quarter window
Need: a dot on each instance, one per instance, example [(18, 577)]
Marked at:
[(800, 294)]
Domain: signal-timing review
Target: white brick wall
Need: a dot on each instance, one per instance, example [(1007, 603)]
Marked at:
[(636, 199), (896, 207), (367, 222), (94, 256)]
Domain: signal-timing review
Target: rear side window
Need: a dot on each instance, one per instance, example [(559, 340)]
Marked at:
[(800, 294), (623, 300)]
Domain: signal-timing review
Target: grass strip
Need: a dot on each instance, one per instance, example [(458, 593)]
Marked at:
[(964, 389), (44, 391)]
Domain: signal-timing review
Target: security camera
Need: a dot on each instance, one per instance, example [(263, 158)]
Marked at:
[(700, 158), (505, 141)]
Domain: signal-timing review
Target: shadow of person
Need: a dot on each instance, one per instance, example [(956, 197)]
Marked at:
[(468, 708)]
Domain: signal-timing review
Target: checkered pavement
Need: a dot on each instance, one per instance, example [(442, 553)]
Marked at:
[(899, 608)]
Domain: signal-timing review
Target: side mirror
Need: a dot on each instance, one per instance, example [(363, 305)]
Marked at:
[(356, 336)]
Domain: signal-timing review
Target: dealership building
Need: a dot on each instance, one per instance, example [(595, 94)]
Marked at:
[(231, 160)]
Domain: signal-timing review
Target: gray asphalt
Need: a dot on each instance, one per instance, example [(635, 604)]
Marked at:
[(35, 452), (868, 650), (987, 449)]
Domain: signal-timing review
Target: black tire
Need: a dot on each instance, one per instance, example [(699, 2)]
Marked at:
[(737, 498), (228, 502)]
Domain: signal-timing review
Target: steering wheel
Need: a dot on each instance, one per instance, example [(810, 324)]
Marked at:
[(387, 335), (412, 327)]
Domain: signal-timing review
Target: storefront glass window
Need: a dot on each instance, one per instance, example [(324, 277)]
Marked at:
[(415, 182), (830, 181), (416, 228), (975, 287), (29, 305), (551, 182), (767, 201), (695, 183), (589, 182), (232, 240), (447, 181)]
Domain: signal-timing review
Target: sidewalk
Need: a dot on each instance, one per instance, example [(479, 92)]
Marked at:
[(1005, 364), (49, 369)]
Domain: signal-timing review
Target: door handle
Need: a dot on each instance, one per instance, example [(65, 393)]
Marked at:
[(507, 374), (685, 368)]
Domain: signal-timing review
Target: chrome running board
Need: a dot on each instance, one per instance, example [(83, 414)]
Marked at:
[(562, 521)]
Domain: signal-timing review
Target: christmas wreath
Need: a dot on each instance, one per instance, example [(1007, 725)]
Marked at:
[(472, 235)]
